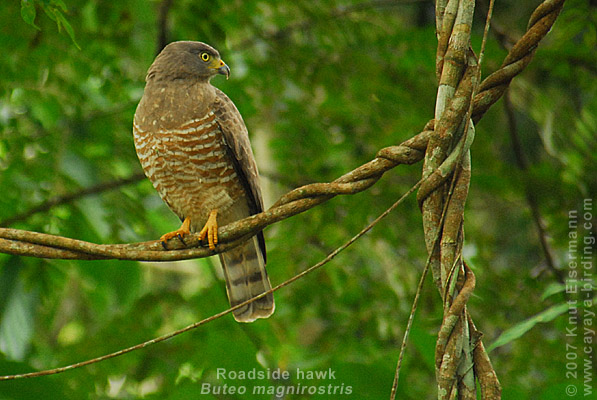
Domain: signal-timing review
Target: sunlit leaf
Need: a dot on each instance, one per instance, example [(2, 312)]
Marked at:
[(28, 12), (523, 327), (17, 323), (552, 289), (55, 10), (60, 4), (61, 20)]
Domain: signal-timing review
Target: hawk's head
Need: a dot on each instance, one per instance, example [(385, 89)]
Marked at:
[(187, 60)]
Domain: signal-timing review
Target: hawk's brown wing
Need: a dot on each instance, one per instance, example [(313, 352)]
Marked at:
[(237, 139)]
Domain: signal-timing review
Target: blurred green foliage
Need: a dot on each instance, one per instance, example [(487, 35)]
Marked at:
[(322, 86)]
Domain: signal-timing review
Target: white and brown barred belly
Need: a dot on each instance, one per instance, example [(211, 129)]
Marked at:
[(190, 168)]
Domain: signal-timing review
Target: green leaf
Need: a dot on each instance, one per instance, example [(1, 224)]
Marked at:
[(60, 4), (523, 327), (16, 326), (49, 10), (61, 20), (28, 12), (55, 10), (552, 289)]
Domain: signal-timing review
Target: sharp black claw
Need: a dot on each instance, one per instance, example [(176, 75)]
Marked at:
[(164, 245), (181, 239)]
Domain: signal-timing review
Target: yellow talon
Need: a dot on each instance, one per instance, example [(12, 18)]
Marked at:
[(184, 229), (210, 230)]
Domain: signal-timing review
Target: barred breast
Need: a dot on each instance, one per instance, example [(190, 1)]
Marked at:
[(190, 167)]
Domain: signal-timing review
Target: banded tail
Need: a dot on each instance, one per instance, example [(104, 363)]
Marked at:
[(246, 277)]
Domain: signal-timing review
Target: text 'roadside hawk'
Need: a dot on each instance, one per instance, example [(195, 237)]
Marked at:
[(194, 147)]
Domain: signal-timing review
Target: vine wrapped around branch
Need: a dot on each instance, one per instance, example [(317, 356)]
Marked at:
[(25, 243)]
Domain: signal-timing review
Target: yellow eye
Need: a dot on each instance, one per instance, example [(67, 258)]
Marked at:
[(205, 56)]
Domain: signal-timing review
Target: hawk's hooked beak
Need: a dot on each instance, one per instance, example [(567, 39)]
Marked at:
[(223, 69)]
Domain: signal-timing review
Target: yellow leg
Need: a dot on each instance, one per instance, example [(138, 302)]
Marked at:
[(210, 230), (184, 229)]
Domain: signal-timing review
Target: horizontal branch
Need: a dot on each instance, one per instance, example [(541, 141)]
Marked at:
[(25, 243), (336, 13), (57, 200)]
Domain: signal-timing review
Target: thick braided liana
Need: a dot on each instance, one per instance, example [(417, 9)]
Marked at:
[(521, 54), (26, 243), (459, 349)]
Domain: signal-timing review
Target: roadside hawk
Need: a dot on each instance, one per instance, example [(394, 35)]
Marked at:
[(194, 147)]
